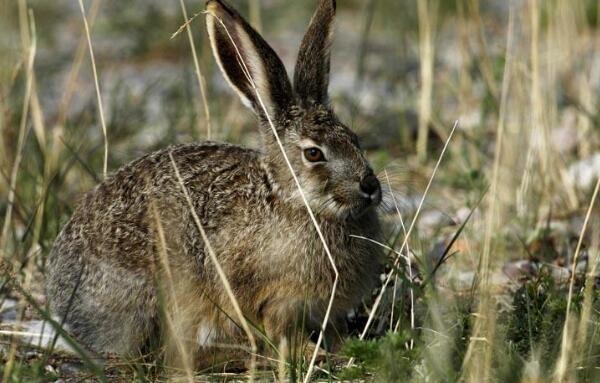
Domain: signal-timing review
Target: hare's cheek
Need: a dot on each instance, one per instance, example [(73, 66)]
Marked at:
[(320, 177)]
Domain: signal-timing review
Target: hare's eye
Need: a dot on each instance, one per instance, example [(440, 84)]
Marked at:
[(314, 155)]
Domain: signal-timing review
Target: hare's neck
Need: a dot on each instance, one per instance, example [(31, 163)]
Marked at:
[(278, 183)]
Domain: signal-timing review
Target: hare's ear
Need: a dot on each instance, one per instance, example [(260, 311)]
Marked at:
[(311, 77), (248, 63)]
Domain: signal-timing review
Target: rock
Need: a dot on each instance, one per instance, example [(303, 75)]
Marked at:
[(432, 220), (37, 333), (565, 138), (71, 369), (561, 274), (585, 173), (520, 269), (8, 310), (465, 279), (463, 213)]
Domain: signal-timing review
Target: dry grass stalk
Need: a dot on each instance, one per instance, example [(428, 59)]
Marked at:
[(281, 362), (382, 245), (562, 365), (97, 84), (38, 124), (410, 229), (54, 149), (172, 310), (577, 33), (477, 361), (398, 253), (37, 116), (538, 162), (29, 42), (199, 76), (71, 82), (29, 52), (409, 265), (588, 80), (562, 43), (485, 61), (465, 84), (427, 10), (220, 272), (36, 110), (536, 104)]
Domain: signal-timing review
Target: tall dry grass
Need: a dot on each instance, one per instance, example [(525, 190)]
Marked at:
[(427, 10)]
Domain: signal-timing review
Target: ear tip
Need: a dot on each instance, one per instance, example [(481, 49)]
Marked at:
[(218, 6), (330, 3), (326, 8), (212, 6)]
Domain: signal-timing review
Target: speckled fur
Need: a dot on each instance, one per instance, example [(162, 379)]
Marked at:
[(104, 274)]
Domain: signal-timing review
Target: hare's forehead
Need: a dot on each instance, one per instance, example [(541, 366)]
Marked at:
[(325, 129), (334, 137)]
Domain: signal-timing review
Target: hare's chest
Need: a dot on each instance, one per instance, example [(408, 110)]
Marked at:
[(294, 250), (304, 259)]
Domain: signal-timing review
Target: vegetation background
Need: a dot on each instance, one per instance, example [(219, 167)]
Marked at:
[(497, 277)]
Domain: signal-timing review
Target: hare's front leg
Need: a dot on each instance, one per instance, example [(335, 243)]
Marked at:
[(294, 329), (295, 332), (284, 327)]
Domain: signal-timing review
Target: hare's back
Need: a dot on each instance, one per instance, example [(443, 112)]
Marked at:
[(117, 220)]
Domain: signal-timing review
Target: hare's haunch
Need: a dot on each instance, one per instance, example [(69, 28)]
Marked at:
[(131, 264)]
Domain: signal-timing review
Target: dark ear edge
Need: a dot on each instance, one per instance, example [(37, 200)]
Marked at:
[(246, 60), (311, 76)]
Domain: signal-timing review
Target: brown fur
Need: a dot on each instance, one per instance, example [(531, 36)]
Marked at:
[(107, 281)]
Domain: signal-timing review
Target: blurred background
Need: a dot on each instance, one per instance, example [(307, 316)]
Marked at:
[(521, 77)]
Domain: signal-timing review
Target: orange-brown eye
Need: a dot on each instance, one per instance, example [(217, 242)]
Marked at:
[(314, 155)]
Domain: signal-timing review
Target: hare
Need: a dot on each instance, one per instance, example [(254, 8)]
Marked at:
[(132, 252)]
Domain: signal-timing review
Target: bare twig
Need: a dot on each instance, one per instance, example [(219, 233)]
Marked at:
[(184, 25)]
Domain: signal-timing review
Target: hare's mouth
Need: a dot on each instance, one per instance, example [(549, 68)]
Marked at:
[(364, 205), (344, 208)]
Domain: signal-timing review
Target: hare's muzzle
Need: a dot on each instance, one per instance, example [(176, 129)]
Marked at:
[(371, 188)]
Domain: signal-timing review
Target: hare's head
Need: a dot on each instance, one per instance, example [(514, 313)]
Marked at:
[(325, 155)]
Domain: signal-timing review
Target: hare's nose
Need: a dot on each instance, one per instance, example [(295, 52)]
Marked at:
[(370, 185)]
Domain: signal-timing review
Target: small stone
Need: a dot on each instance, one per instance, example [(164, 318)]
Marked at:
[(519, 269), (585, 173)]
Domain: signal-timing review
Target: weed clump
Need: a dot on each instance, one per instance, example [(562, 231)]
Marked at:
[(388, 359)]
